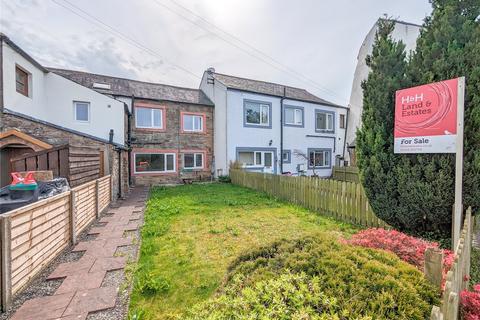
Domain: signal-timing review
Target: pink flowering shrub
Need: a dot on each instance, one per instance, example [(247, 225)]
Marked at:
[(470, 303), (407, 248)]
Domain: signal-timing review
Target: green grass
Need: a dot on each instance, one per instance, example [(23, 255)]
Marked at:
[(192, 233)]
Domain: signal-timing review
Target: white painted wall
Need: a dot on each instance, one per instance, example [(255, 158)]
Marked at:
[(296, 138), (408, 34), (51, 100), (217, 93)]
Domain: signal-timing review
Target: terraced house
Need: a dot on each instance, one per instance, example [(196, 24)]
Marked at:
[(273, 128), (170, 129)]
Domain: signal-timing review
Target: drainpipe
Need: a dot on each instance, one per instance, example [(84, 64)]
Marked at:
[(119, 172), (129, 141), (281, 128), (345, 135)]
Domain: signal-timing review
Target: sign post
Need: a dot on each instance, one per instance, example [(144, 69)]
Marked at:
[(429, 119)]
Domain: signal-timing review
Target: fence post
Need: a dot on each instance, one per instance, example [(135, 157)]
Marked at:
[(434, 266), (97, 197), (6, 263), (73, 218)]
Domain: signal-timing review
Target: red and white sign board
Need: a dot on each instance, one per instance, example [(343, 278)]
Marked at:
[(426, 118)]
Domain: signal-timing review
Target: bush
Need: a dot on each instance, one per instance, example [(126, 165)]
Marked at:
[(224, 179), (470, 304), (318, 278), (407, 248)]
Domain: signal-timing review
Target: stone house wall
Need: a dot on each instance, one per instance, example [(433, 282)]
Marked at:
[(56, 137), (172, 139)]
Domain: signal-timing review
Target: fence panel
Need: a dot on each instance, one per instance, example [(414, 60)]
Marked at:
[(346, 174), (345, 201), (457, 277), (32, 236)]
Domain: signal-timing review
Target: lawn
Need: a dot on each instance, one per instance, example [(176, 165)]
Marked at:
[(193, 233)]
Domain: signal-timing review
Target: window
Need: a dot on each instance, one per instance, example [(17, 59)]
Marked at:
[(82, 111), (193, 160), (324, 121), (257, 114), (293, 116), (319, 158), (21, 81), (154, 162), (287, 156), (256, 158), (342, 121), (192, 123), (151, 118)]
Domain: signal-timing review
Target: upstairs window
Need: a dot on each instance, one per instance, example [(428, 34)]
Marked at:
[(342, 121), (293, 116), (81, 111), (21, 81), (257, 114), (319, 158), (324, 121), (192, 123), (193, 160), (149, 118)]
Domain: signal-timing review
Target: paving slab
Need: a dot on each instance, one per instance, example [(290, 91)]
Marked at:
[(45, 308), (71, 268), (109, 264), (92, 300), (81, 281)]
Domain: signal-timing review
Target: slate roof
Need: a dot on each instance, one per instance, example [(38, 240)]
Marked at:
[(139, 89), (269, 88)]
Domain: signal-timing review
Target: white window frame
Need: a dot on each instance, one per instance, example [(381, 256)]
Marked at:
[(297, 113), (152, 126), (165, 154), (194, 160), (328, 115), (260, 163), (75, 105), (326, 156), (193, 122), (264, 106)]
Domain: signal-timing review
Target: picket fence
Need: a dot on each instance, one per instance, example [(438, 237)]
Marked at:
[(458, 276), (33, 235), (344, 201)]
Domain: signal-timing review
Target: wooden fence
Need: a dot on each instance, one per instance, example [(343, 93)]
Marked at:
[(457, 277), (32, 236), (345, 201), (346, 174), (77, 164)]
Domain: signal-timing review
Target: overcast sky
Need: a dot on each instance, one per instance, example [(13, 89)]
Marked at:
[(311, 44)]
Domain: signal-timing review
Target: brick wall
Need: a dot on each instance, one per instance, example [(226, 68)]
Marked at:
[(172, 138), (57, 137)]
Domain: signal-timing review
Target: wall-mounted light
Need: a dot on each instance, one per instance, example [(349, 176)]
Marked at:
[(270, 142)]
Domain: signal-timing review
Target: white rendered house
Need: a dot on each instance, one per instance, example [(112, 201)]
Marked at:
[(403, 31), (273, 128), (33, 92)]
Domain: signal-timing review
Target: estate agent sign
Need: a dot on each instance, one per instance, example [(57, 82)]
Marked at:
[(429, 119), (426, 118)]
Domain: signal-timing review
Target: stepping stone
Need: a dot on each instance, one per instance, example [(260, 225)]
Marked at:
[(82, 316), (92, 300), (109, 264), (50, 307), (71, 268), (81, 281)]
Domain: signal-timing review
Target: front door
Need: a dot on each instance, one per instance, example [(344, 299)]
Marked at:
[(268, 162)]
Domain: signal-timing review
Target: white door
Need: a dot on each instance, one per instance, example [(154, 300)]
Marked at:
[(268, 161)]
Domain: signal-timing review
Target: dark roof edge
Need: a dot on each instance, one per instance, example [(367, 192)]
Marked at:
[(250, 79), (120, 78), (86, 135), (211, 105), (402, 22), (20, 51), (330, 104)]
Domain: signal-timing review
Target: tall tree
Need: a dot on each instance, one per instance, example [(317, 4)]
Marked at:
[(415, 192)]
